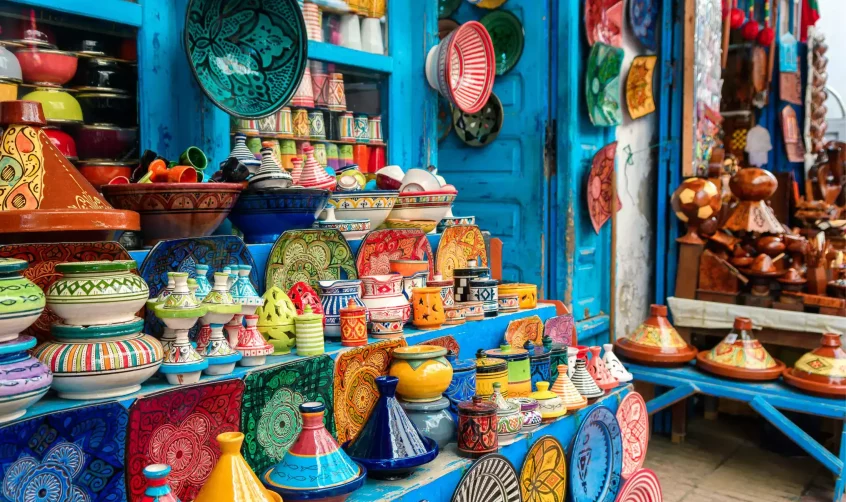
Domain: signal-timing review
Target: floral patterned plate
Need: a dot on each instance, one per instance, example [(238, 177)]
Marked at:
[(561, 329), (634, 428), (379, 247), (523, 330), (506, 33), (604, 22), (482, 127), (309, 256), (543, 477), (458, 245), (599, 186), (639, 95), (643, 16), (602, 85)]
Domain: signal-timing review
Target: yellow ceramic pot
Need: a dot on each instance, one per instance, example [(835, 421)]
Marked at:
[(58, 105), (427, 308), (528, 293), (232, 479), (550, 404), (490, 370), (423, 371)]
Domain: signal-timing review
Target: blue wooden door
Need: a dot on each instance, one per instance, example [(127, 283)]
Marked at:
[(503, 184)]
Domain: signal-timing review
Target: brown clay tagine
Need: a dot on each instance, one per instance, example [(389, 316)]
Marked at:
[(655, 342), (740, 356), (821, 371)]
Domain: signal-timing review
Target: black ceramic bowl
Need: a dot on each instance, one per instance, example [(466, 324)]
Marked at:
[(108, 108), (101, 75), (89, 47)]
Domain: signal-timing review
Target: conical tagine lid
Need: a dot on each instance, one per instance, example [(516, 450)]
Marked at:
[(740, 356), (821, 371), (43, 198), (232, 478), (656, 342), (567, 391)]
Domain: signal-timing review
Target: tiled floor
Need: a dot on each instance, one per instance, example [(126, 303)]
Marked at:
[(717, 464)]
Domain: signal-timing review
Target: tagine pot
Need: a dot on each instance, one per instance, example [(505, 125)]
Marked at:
[(335, 295), (232, 478), (582, 379), (740, 356), (568, 392), (389, 445), (423, 371), (614, 365), (158, 489), (821, 371), (530, 412), (21, 300), (508, 417), (550, 405), (23, 378), (656, 342), (433, 420), (383, 296)]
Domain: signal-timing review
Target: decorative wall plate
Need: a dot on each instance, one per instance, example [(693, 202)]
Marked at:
[(459, 244), (602, 85), (73, 455), (42, 259), (543, 477), (596, 458), (520, 331), (642, 486), (447, 7), (355, 387), (604, 22), (491, 479), (448, 342), (599, 186), (183, 255), (247, 56), (270, 416), (444, 118), (379, 247), (179, 427), (301, 294), (482, 127), (561, 329), (643, 16), (634, 428), (506, 33), (309, 256), (639, 97)]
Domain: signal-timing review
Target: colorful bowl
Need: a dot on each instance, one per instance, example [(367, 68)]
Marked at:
[(109, 108), (46, 67), (175, 210), (24, 380), (105, 141), (103, 172), (451, 221), (389, 178), (264, 216), (423, 371), (10, 68), (528, 293), (431, 206), (63, 142), (408, 268), (425, 225), (58, 105), (373, 205), (419, 180), (352, 229)]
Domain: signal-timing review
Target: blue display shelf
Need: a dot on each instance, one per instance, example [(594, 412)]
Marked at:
[(329, 53), (116, 11)]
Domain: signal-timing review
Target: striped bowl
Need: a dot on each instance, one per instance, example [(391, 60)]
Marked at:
[(461, 67)]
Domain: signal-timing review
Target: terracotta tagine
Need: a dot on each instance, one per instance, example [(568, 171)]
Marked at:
[(693, 202), (821, 371), (567, 391), (597, 369), (211, 342), (519, 369), (44, 198), (792, 281), (433, 420), (477, 428), (157, 488), (509, 419), (762, 271), (753, 186), (550, 404), (232, 478), (389, 445), (656, 342), (23, 378), (21, 300), (180, 312), (423, 371), (740, 356), (276, 320), (614, 365)]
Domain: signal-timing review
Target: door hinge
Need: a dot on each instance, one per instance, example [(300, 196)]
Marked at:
[(550, 164)]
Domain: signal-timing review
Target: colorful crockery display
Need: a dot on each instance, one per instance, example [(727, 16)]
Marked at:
[(485, 290), (598, 447), (597, 369), (276, 320), (527, 293), (462, 387), (423, 371), (581, 378), (232, 478), (565, 389), (615, 366)]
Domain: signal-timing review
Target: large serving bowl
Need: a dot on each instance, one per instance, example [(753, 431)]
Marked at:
[(45, 66), (373, 205), (264, 216), (101, 172), (423, 205), (175, 210), (109, 108), (59, 106), (105, 141)]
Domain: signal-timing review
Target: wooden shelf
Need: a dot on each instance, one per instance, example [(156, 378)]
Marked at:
[(322, 51), (115, 11)]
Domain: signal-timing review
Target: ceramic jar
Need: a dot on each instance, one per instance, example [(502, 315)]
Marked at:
[(557, 356), (433, 420), (485, 291), (337, 95), (309, 333), (252, 346), (157, 488), (508, 303), (284, 123), (488, 371), (539, 363), (300, 123), (353, 325), (316, 126), (428, 308), (550, 404), (21, 301), (527, 293), (362, 133), (387, 329), (383, 297), (23, 378), (276, 320), (477, 428), (462, 278), (530, 411), (346, 127), (519, 369), (97, 292), (232, 478), (463, 384), (374, 126), (509, 419), (423, 371), (335, 295), (473, 311), (454, 315), (447, 289)]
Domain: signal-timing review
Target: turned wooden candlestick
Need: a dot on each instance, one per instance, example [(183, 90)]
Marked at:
[(695, 201)]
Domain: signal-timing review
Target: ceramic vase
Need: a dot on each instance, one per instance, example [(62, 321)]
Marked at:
[(316, 125), (335, 295), (252, 346), (21, 301), (371, 36), (433, 420), (158, 490), (309, 328), (243, 154), (232, 478), (350, 32), (300, 123), (599, 372), (490, 370), (97, 292), (337, 94), (276, 320), (539, 361), (383, 297), (519, 369), (320, 89), (313, 175), (551, 406), (509, 419), (462, 278), (346, 129), (23, 378), (462, 386), (568, 393), (614, 365), (530, 412), (485, 291), (423, 371), (204, 287), (211, 342), (477, 428), (428, 308), (284, 123), (353, 324), (180, 312), (361, 131), (557, 356), (389, 445), (374, 129), (304, 96), (585, 383)]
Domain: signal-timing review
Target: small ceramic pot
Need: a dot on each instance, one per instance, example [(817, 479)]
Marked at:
[(383, 296), (284, 123), (386, 329), (346, 127), (337, 94), (316, 126), (46, 67), (462, 278), (539, 361), (104, 141), (447, 289), (21, 300), (528, 293), (335, 295), (530, 411), (353, 324), (109, 108), (550, 404), (477, 428), (97, 292), (490, 370), (103, 172), (463, 384), (454, 315), (23, 378), (508, 303), (410, 283), (60, 107), (484, 290), (509, 419), (362, 133), (432, 419), (309, 327), (428, 308), (423, 371), (102, 75), (473, 311), (519, 369)]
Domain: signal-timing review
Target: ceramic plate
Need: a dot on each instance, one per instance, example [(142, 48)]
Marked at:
[(73, 455), (522, 330), (599, 186), (634, 427), (643, 16), (491, 479), (480, 128), (448, 342), (643, 486), (543, 477), (309, 256), (179, 427), (379, 247), (183, 255), (506, 33), (301, 294), (602, 85), (355, 385), (447, 7), (604, 22), (459, 244), (444, 118), (42, 260), (596, 458), (247, 55), (561, 329), (639, 98), (270, 416)]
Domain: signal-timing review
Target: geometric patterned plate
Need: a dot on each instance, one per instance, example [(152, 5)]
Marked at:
[(482, 127), (491, 479), (379, 247), (520, 331), (543, 477), (309, 256), (596, 458), (506, 33), (642, 486), (634, 427), (599, 186), (459, 244), (561, 329), (639, 97)]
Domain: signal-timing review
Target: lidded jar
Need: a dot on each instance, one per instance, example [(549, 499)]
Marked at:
[(462, 387), (477, 428), (488, 371), (519, 369)]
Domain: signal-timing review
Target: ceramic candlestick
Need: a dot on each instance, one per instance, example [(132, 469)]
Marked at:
[(614, 365), (214, 346), (180, 312)]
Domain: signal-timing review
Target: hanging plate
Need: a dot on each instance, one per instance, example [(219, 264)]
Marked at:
[(602, 85), (634, 428), (379, 247), (309, 256), (643, 16), (599, 186), (543, 477), (604, 22), (459, 244), (491, 479), (596, 458), (444, 118), (561, 329), (482, 127), (447, 7), (247, 55), (643, 486), (506, 33), (639, 97)]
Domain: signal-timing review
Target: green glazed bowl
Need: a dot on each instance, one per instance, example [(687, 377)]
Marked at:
[(21, 300), (58, 105)]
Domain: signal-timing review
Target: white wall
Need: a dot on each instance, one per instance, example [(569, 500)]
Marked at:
[(832, 13)]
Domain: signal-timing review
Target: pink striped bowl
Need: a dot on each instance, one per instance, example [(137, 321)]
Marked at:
[(461, 67)]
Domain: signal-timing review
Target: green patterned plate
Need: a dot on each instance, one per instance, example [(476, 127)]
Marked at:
[(247, 55), (481, 128), (602, 85), (507, 35), (309, 256), (447, 7)]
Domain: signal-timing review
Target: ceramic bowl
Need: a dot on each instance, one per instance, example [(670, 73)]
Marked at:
[(22, 300), (451, 221), (23, 380), (352, 229), (425, 226), (431, 206), (63, 142), (45, 66), (105, 141), (419, 180), (59, 106), (408, 268), (389, 178), (373, 205), (175, 210), (10, 68), (469, 85), (423, 371), (102, 75), (528, 293), (264, 216), (101, 172), (109, 108)]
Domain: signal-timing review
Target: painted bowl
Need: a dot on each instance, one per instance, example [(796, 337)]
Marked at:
[(451, 221), (22, 300), (419, 180), (109, 108), (103, 75), (425, 226), (23, 380), (352, 229), (46, 67), (431, 206), (264, 216), (175, 210), (423, 371), (63, 142), (408, 268), (103, 172), (389, 178), (373, 205), (10, 68), (105, 141), (58, 105), (100, 361), (528, 293)]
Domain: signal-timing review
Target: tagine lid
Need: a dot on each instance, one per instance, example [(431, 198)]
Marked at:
[(509, 353), (821, 371), (477, 407), (47, 193), (656, 341), (740, 356), (485, 364)]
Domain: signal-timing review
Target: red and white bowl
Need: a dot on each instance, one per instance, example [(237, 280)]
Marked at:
[(432, 205), (461, 67)]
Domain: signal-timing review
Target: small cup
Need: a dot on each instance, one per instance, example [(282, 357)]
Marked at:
[(182, 174), (195, 158)]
